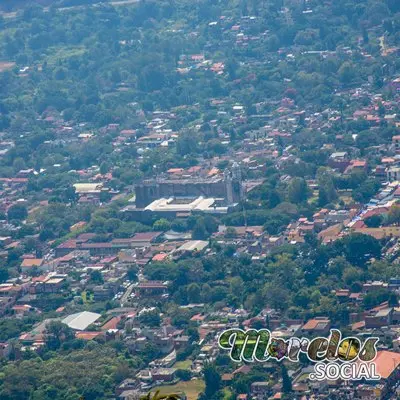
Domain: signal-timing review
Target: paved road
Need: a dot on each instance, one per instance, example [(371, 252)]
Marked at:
[(125, 296)]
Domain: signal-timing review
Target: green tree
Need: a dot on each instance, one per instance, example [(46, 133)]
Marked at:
[(394, 215), (352, 275), (359, 248), (161, 225), (186, 143), (3, 274), (374, 221), (327, 191), (297, 190), (199, 230), (96, 277), (132, 273), (104, 168), (347, 73), (212, 380), (150, 318), (184, 374), (193, 293), (276, 297), (286, 381), (56, 333), (17, 212)]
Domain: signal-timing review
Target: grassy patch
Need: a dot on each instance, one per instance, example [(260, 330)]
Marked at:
[(227, 394), (87, 297), (63, 53), (183, 364), (192, 388)]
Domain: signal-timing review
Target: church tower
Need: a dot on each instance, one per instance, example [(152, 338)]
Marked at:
[(233, 184), (228, 186), (237, 183)]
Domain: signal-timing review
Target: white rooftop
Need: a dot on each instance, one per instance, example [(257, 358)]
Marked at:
[(80, 321), (88, 187), (195, 204), (193, 245)]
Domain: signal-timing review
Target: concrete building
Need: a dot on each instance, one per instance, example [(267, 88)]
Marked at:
[(396, 142), (393, 174), (228, 187)]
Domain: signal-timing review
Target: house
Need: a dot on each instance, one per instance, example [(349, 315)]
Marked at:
[(159, 257), (36, 334), (387, 365), (260, 390), (355, 166), (102, 293), (5, 240), (65, 248), (163, 374), (393, 174), (342, 294), (181, 342), (54, 284), (380, 233), (339, 160), (396, 142), (317, 326), (89, 192), (29, 263), (88, 188), (396, 316), (10, 290), (127, 384), (144, 239), (379, 318), (192, 246), (23, 309), (144, 375), (336, 216), (151, 288)]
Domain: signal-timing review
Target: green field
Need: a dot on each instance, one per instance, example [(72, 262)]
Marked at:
[(192, 388), (185, 364), (62, 53)]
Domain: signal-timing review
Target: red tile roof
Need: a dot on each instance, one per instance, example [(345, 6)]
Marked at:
[(87, 335), (111, 324), (160, 257), (315, 324), (386, 363), (141, 236)]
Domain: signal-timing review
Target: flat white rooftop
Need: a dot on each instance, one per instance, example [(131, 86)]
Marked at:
[(187, 205), (80, 321)]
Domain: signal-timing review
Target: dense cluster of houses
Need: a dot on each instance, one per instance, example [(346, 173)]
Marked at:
[(214, 186)]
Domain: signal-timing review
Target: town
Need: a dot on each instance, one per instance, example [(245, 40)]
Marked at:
[(140, 219)]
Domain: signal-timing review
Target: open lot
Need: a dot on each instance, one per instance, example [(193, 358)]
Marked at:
[(192, 388)]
